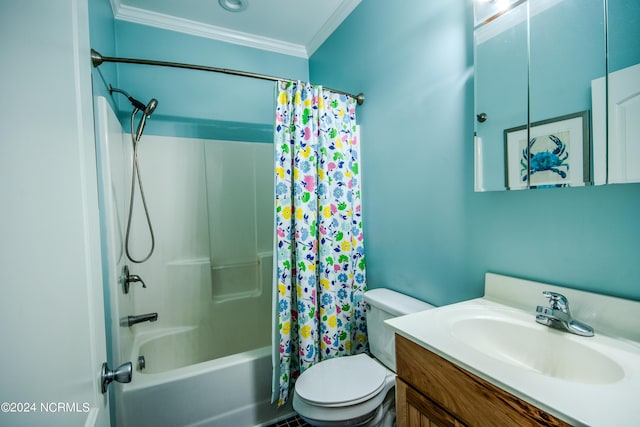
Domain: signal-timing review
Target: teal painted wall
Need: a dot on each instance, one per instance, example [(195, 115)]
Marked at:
[(103, 39), (427, 233), (199, 103)]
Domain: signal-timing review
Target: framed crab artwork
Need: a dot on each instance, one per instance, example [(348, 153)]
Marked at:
[(556, 153)]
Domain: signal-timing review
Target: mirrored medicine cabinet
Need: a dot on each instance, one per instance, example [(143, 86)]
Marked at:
[(557, 93)]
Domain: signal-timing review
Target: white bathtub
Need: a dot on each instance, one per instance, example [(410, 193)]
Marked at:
[(231, 391)]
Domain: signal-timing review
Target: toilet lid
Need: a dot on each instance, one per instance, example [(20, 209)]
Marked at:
[(341, 381)]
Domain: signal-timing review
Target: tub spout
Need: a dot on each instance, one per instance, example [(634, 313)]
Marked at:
[(132, 320)]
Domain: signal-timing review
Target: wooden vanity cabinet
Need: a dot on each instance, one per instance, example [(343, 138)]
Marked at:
[(431, 391)]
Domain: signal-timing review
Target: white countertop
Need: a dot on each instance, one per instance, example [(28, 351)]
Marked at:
[(574, 399)]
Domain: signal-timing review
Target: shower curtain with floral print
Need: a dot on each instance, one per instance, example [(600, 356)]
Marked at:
[(319, 243)]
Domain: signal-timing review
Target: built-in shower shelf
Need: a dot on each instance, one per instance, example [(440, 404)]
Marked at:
[(189, 261), (237, 280), (240, 264)]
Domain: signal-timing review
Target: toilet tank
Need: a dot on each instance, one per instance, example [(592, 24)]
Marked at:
[(383, 304)]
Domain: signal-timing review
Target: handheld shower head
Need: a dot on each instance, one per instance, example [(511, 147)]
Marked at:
[(147, 111), (151, 106)]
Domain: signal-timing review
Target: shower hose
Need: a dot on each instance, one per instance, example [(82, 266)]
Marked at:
[(136, 174)]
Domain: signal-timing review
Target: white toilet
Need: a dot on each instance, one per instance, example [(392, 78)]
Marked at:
[(358, 390)]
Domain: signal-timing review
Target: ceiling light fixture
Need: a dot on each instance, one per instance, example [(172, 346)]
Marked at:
[(234, 5)]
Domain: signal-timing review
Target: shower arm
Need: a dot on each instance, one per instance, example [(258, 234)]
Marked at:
[(97, 59)]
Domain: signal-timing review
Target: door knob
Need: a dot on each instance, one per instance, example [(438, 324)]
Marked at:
[(121, 375)]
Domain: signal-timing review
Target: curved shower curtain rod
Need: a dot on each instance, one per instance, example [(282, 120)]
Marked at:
[(97, 59)]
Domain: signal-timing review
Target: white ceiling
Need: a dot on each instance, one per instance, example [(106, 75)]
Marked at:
[(292, 27)]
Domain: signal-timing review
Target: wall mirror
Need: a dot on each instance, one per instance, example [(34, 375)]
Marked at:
[(541, 87)]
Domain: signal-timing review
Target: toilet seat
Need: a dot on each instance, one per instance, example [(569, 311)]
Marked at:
[(366, 379), (355, 415)]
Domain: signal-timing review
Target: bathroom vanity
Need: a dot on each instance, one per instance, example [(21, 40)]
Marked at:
[(488, 362), (433, 391)]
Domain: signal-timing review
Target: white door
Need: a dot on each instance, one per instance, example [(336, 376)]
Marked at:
[(52, 333), (624, 125)]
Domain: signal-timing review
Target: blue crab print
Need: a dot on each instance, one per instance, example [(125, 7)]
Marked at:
[(553, 161)]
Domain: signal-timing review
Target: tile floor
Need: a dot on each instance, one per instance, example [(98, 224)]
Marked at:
[(291, 422)]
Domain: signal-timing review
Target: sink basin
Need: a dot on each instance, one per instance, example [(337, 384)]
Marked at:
[(546, 351)]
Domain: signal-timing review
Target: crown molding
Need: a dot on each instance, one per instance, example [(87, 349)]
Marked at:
[(172, 23), (340, 14)]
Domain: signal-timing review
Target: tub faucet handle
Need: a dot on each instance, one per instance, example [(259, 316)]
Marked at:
[(127, 279)]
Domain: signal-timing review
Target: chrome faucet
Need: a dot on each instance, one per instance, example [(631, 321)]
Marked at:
[(132, 320), (558, 316)]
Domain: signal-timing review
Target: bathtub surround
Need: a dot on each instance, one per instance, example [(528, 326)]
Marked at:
[(319, 240), (211, 206)]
